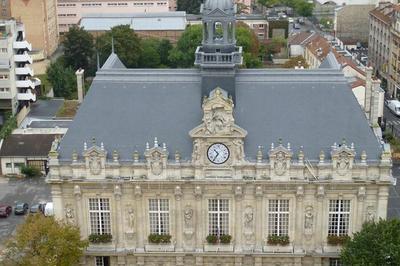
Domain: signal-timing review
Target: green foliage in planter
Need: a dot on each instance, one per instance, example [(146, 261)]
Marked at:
[(337, 240), (30, 171), (212, 239), (94, 238), (159, 239), (225, 239), (278, 240)]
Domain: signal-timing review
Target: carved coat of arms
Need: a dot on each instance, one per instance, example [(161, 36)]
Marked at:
[(156, 164), (280, 164), (95, 165), (342, 164)]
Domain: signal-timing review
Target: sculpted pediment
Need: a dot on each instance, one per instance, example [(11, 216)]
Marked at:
[(218, 118), (342, 158), (217, 13)]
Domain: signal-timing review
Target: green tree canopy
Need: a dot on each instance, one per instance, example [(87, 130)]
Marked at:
[(150, 56), (301, 7), (126, 44), (296, 61), (44, 241), (183, 54), (62, 78), (78, 49), (378, 243), (190, 6)]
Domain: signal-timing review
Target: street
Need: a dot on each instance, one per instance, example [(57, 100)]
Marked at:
[(15, 190)]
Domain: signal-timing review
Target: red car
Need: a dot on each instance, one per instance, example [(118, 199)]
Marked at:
[(5, 210)]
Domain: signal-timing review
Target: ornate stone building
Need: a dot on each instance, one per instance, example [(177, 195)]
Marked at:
[(218, 165)]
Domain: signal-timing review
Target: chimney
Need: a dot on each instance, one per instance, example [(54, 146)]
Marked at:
[(368, 90), (373, 119), (80, 82)]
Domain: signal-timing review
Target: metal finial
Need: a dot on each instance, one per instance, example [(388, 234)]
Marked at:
[(85, 146), (164, 146), (147, 146), (155, 142)]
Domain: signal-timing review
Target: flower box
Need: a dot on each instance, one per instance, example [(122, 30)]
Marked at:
[(96, 239), (222, 239), (278, 240), (160, 247), (159, 239), (218, 248), (337, 240)]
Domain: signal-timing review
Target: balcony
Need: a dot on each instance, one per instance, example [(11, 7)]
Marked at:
[(21, 58), (24, 71), (22, 45), (26, 96), (25, 84), (218, 60), (5, 95)]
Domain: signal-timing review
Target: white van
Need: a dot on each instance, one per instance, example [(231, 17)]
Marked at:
[(394, 107), (48, 209)]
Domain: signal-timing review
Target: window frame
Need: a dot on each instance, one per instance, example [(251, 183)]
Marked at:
[(221, 229), (102, 226), (339, 227), (159, 228), (276, 228)]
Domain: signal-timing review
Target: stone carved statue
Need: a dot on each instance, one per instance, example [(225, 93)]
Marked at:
[(217, 122), (94, 165), (156, 164), (370, 214), (248, 217), (188, 215), (308, 221), (280, 164), (239, 147), (131, 218), (196, 150), (69, 214)]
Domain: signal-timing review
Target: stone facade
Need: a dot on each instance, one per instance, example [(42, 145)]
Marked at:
[(249, 186)]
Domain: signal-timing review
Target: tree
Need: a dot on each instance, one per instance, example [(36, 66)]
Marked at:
[(164, 48), (301, 7), (190, 6), (378, 243), (150, 57), (295, 62), (44, 241), (30, 171), (126, 44), (62, 79), (183, 54), (78, 49)]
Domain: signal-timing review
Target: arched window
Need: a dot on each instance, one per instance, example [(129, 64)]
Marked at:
[(218, 31)]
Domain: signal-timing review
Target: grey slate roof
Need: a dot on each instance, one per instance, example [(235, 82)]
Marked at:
[(125, 108), (113, 61), (330, 62), (137, 21), (27, 145)]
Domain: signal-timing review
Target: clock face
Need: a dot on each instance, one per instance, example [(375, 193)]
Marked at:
[(218, 153)]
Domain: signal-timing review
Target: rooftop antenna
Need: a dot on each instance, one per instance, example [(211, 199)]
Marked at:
[(112, 44)]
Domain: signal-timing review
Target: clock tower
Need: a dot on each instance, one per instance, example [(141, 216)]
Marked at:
[(218, 143), (218, 56)]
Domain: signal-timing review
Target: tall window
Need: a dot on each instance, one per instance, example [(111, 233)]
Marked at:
[(99, 214), (335, 262), (218, 217), (102, 261), (339, 215), (278, 217), (159, 216)]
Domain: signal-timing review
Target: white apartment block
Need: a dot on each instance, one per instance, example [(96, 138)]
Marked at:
[(17, 85)]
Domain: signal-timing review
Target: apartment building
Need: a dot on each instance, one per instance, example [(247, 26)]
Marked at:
[(380, 20), (43, 35), (394, 65), (70, 12), (17, 86)]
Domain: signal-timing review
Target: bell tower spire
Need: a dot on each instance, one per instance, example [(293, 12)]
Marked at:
[(218, 56)]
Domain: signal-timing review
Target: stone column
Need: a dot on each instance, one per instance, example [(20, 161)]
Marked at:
[(80, 83), (200, 223), (238, 224), (258, 213), (141, 224), (119, 222), (58, 205), (178, 223), (382, 202)]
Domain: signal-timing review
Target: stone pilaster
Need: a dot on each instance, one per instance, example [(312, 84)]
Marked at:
[(178, 221), (141, 224), (258, 213), (383, 196)]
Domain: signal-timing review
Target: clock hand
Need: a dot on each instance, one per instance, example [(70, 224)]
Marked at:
[(215, 157)]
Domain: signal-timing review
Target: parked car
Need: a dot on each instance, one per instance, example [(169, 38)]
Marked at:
[(21, 208), (5, 210), (37, 208), (394, 107), (48, 209)]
